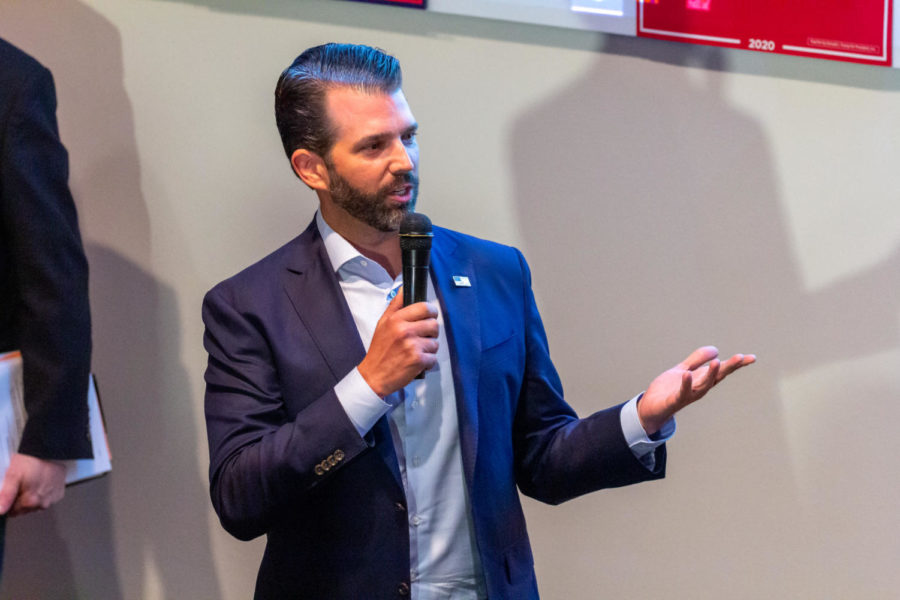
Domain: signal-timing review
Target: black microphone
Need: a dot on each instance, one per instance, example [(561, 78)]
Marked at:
[(415, 246)]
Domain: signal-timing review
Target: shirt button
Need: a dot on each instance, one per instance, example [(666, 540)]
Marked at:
[(416, 521), (364, 263), (417, 461)]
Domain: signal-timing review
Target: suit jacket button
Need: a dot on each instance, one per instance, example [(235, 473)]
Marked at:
[(339, 455), (319, 470), (399, 507), (403, 590)]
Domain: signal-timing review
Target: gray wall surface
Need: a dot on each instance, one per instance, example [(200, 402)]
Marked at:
[(690, 195)]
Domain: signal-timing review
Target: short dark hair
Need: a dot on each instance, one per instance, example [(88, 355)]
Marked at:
[(300, 94)]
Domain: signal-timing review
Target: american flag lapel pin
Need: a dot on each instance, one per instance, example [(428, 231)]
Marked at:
[(461, 281)]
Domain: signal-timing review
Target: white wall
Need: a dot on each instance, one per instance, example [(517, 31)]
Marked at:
[(666, 195)]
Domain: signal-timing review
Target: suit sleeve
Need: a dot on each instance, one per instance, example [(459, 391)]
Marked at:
[(558, 455), (49, 275), (263, 461)]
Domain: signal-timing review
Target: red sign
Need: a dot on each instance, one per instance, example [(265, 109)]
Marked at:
[(849, 30)]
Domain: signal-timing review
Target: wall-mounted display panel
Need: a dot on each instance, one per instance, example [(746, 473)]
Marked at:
[(850, 30)]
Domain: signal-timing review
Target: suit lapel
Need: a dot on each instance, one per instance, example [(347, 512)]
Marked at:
[(463, 327), (314, 290)]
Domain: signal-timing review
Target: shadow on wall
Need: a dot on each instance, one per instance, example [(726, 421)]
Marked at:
[(146, 523), (662, 205)]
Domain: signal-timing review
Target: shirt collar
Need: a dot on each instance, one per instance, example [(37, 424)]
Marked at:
[(346, 260), (339, 250)]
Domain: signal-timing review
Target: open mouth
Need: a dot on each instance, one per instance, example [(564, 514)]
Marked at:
[(401, 193)]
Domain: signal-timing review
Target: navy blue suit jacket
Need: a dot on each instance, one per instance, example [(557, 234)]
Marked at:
[(280, 336), (43, 271)]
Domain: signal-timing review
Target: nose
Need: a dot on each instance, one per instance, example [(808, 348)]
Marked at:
[(402, 159)]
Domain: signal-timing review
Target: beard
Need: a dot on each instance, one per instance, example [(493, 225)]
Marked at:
[(374, 209)]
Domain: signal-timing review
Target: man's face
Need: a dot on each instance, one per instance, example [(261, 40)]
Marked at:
[(373, 163)]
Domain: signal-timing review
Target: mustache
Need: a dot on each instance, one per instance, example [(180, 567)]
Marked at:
[(406, 178)]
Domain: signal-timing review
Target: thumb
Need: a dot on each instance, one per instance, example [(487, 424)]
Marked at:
[(8, 491), (396, 302), (687, 385)]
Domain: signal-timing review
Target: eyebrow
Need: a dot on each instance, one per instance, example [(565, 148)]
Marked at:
[(381, 137)]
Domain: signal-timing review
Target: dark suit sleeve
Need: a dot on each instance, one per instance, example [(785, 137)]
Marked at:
[(48, 274), (558, 455), (263, 460)]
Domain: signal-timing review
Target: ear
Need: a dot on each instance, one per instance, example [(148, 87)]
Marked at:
[(310, 167)]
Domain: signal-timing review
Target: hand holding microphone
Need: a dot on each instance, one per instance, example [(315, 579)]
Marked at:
[(405, 343)]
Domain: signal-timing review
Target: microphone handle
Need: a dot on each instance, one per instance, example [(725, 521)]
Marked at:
[(415, 283)]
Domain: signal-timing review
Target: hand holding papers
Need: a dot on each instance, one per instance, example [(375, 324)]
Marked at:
[(13, 417)]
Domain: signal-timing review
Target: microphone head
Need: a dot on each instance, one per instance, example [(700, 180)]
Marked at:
[(415, 224), (415, 232)]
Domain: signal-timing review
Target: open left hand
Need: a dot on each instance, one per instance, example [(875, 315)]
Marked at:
[(31, 484), (684, 384)]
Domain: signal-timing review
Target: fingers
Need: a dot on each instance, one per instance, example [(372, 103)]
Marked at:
[(695, 384), (699, 357), (428, 348), (25, 504), (734, 363), (419, 337), (704, 379), (731, 365), (403, 345), (416, 320), (709, 378), (421, 313), (705, 354), (30, 501)]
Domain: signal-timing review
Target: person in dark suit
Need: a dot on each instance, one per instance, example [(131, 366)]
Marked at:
[(44, 309), (370, 483)]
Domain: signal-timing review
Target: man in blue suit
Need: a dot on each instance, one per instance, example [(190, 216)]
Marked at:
[(370, 483)]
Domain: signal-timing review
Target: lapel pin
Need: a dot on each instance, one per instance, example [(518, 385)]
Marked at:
[(460, 281)]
